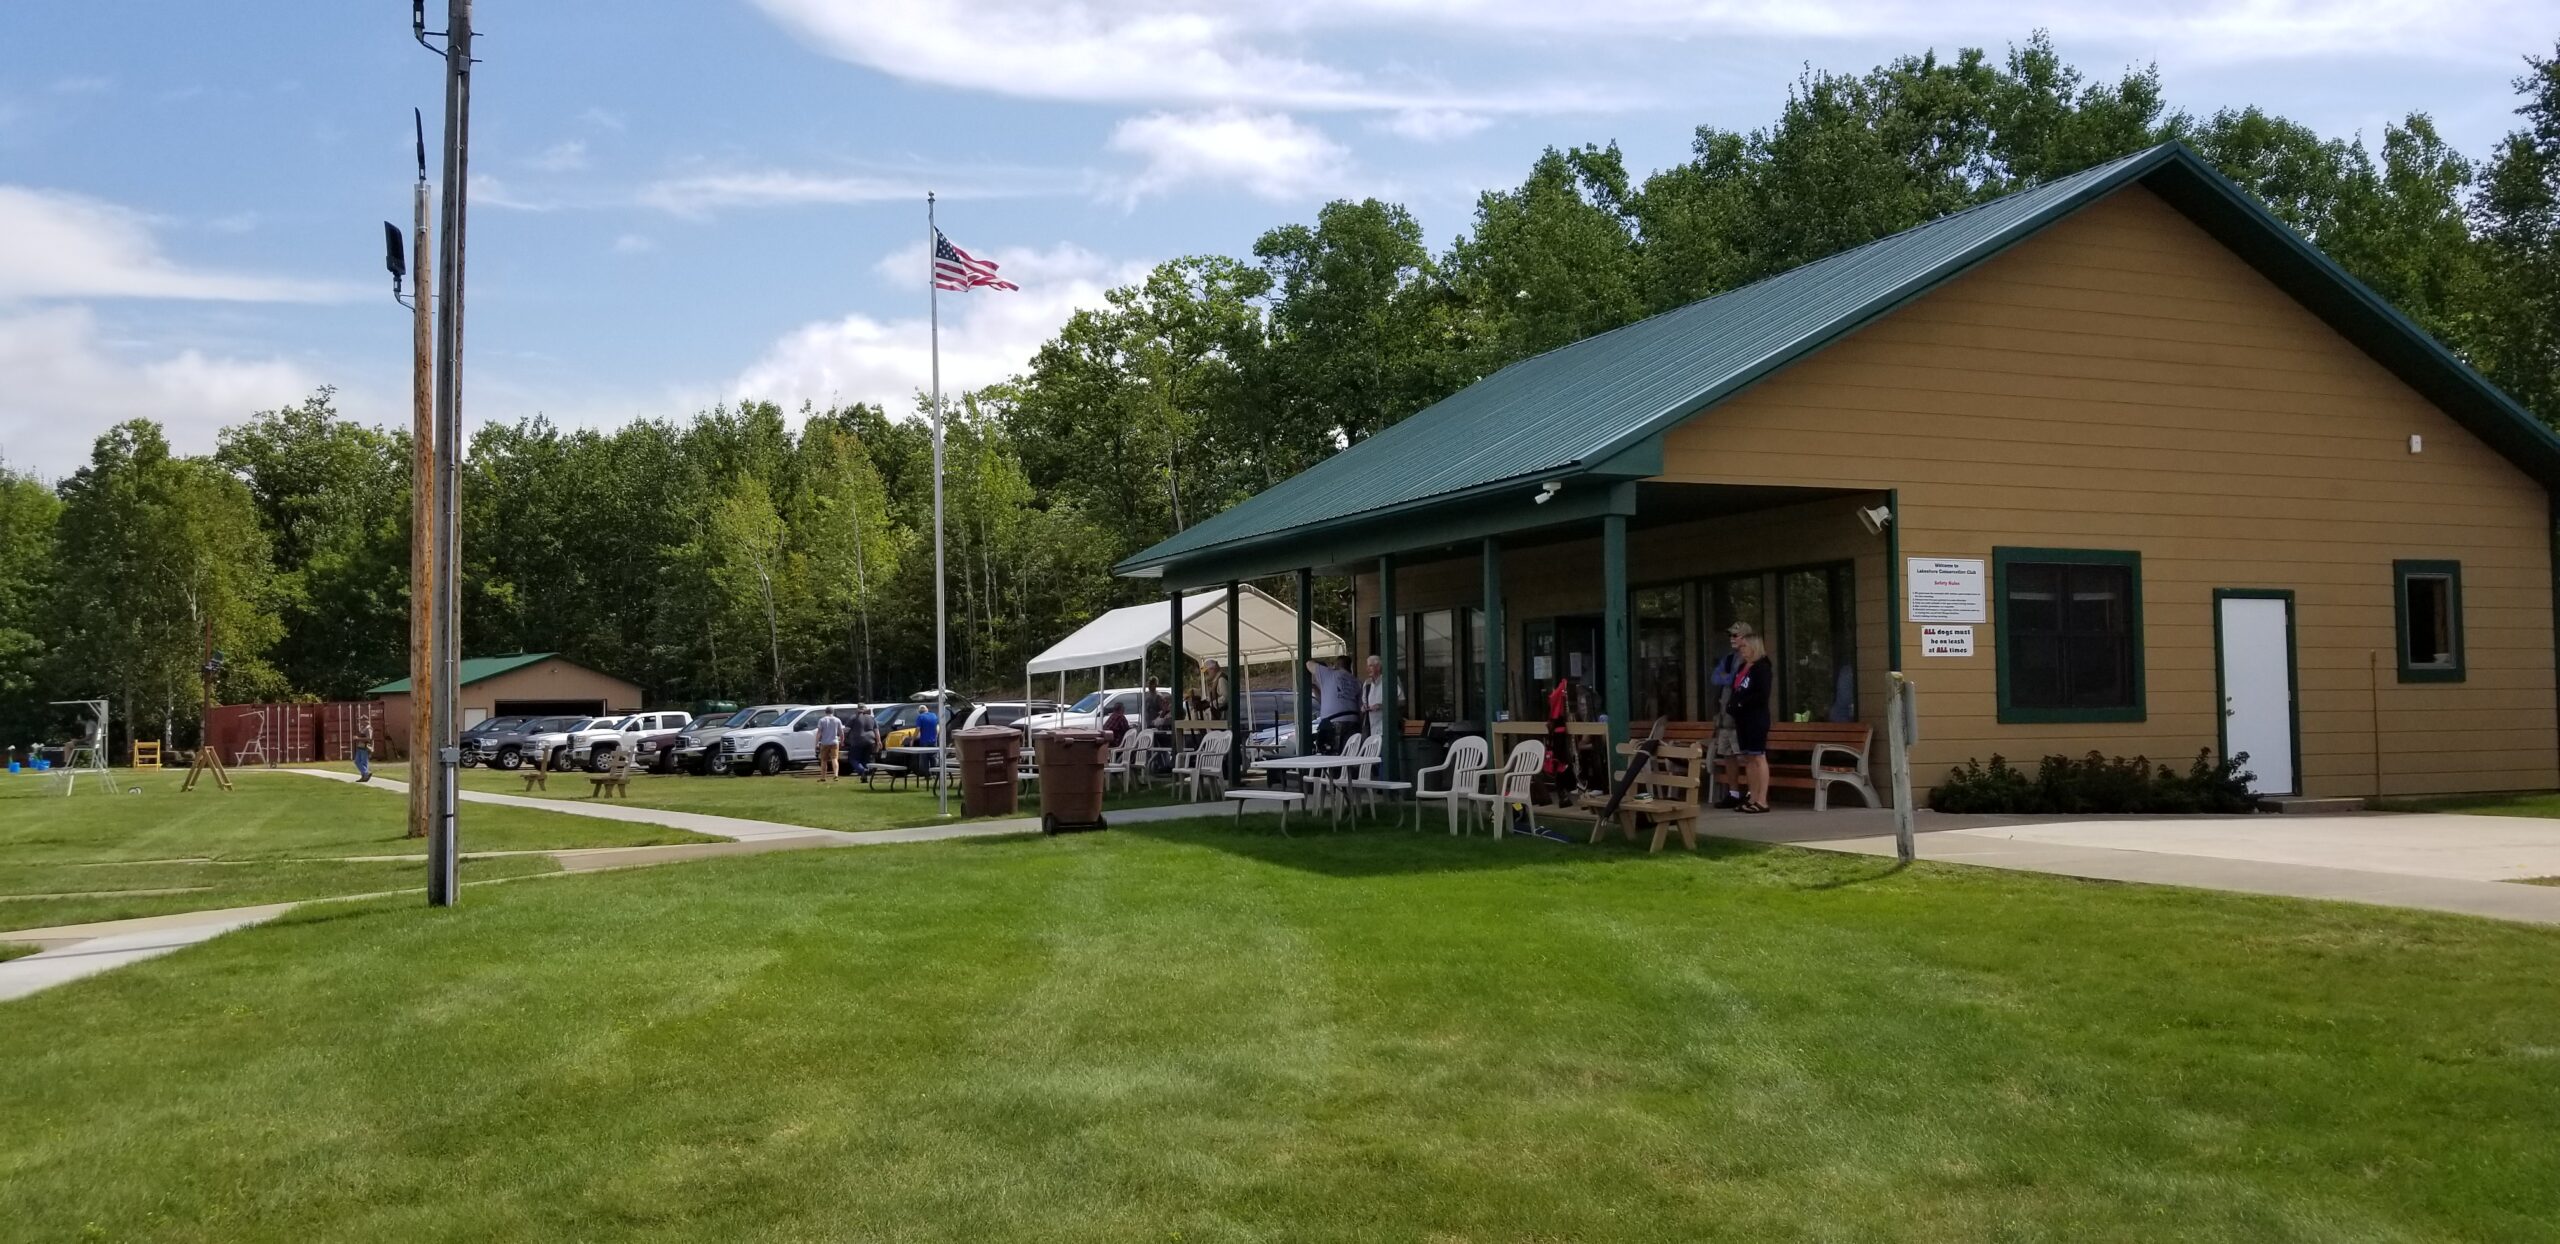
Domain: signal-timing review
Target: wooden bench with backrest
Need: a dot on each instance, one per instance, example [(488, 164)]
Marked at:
[(616, 778), (1812, 755), (1668, 792)]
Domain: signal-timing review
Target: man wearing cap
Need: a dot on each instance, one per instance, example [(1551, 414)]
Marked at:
[(1720, 689)]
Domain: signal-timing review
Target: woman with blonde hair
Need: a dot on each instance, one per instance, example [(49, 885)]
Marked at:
[(1749, 707)]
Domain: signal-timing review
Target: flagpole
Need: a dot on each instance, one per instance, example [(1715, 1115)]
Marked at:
[(941, 624)]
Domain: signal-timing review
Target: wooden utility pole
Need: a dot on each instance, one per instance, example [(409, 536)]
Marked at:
[(422, 521)]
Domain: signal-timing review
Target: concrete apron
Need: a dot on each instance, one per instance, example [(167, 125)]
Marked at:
[(2428, 861)]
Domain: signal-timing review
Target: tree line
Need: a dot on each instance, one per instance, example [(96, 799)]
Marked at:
[(750, 553)]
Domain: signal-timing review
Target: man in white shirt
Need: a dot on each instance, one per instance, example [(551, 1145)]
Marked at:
[(830, 743), (1373, 702)]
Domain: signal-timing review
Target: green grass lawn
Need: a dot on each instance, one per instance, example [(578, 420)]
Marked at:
[(275, 836), (788, 800), (2529, 803), (1189, 1033)]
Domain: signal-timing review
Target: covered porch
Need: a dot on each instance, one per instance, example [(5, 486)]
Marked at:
[(1478, 608)]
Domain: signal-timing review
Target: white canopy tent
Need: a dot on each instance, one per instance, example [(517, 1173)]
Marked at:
[(1266, 631)]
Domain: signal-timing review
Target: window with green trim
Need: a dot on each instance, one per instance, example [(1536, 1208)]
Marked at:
[(2069, 634), (2427, 598)]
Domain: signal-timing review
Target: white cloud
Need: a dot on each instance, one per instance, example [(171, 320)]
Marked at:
[(1432, 125), (602, 119), (55, 245), (84, 84), (1266, 153), (986, 336), (66, 384), (698, 195), (1175, 51), (1292, 53), (487, 191), (566, 156), (633, 244)]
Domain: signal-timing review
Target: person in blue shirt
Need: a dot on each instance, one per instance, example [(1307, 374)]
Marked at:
[(928, 728)]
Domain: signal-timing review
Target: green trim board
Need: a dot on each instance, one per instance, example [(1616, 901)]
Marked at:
[(2014, 714), (474, 669), (1596, 409), (2401, 572), (2292, 675)]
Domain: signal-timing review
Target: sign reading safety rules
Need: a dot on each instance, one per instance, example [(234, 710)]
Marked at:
[(1946, 589)]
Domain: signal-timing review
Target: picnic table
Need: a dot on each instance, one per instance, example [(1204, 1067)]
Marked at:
[(1308, 768), (917, 761)]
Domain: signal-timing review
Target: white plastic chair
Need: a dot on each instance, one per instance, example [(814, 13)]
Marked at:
[(1465, 760), (1368, 789), (1510, 783), (1207, 763)]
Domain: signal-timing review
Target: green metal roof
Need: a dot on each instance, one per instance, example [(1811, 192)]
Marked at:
[(1597, 407), (473, 670)]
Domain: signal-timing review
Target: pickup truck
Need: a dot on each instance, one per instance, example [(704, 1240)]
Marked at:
[(501, 745), (786, 740), (590, 748)]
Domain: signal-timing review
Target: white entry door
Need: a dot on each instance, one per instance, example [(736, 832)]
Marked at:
[(2256, 631)]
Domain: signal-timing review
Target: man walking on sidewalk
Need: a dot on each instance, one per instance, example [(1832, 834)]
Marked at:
[(364, 747)]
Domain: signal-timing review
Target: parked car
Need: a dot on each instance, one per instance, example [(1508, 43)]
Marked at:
[(506, 742), (659, 752), (1087, 713), (761, 738), (547, 740), (991, 713), (698, 750), (593, 747)]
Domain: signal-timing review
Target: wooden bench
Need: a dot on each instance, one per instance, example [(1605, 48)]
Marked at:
[(1667, 792), (615, 780), (538, 775), (1832, 751), (1256, 794)]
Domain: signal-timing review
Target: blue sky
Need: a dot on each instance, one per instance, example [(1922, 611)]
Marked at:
[(682, 202)]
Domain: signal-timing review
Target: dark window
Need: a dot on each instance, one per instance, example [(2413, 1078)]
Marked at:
[(2069, 634), (1435, 661), (2428, 600), (1471, 696), (1820, 646), (1661, 664)]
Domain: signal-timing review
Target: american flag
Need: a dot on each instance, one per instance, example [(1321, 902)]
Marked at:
[(956, 270)]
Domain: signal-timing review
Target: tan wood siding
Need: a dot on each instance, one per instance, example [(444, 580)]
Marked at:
[(2124, 382)]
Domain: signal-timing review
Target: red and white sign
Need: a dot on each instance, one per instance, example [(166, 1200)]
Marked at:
[(1946, 589), (1946, 641)]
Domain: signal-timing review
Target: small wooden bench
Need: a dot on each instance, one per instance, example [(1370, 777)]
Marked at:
[(1257, 794), (536, 776), (1832, 751), (1667, 792), (615, 780)]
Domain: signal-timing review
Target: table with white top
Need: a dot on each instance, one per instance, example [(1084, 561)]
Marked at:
[(1308, 767)]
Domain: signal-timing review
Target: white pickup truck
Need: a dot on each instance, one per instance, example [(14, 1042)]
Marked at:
[(589, 748), (775, 737)]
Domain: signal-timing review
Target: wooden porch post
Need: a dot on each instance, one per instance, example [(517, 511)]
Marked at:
[(1496, 678), (1614, 648), (1235, 673), (1306, 652), (1390, 713)]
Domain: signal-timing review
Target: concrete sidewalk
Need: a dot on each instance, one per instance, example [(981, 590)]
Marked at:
[(2430, 862), (733, 828), (77, 950)]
